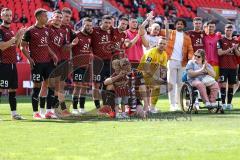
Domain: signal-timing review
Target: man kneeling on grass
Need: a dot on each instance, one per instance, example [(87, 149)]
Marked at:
[(129, 88)]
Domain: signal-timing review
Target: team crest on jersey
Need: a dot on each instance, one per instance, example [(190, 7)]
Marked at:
[(46, 32), (149, 59)]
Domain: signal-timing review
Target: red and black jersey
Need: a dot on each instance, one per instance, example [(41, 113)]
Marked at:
[(227, 61), (120, 87), (82, 48), (57, 37), (7, 56), (118, 39), (238, 39), (197, 39), (38, 39), (102, 44), (69, 38)]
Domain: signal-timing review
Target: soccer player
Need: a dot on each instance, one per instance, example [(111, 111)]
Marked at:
[(210, 45), (36, 38), (102, 48), (128, 86), (119, 37), (81, 58), (120, 40), (151, 64), (116, 85), (197, 34), (228, 62), (67, 14), (57, 37), (8, 60)]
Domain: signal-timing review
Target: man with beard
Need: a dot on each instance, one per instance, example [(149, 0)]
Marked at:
[(102, 51), (35, 47), (82, 54), (57, 37), (120, 40), (179, 50), (8, 60)]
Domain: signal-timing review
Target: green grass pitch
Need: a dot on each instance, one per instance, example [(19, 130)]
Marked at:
[(202, 137)]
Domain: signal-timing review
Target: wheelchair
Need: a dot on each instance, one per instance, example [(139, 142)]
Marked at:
[(190, 99)]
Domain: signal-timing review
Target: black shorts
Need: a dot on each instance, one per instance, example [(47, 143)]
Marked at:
[(138, 101), (42, 71), (134, 64), (229, 75), (239, 73), (8, 76), (81, 75), (101, 71), (62, 70)]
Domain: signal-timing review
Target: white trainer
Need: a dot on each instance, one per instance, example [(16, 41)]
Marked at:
[(82, 111), (173, 107), (75, 112), (124, 115), (119, 116), (229, 106), (153, 110), (208, 104), (224, 106)]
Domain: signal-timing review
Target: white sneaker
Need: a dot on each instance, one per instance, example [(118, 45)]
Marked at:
[(229, 106), (153, 110), (82, 111), (75, 112), (42, 113), (224, 106), (215, 104), (119, 116), (196, 105), (207, 104), (173, 107), (124, 115)]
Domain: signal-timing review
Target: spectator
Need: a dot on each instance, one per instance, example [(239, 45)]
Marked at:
[(179, 51), (198, 71), (136, 51), (24, 19), (210, 43), (15, 18)]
